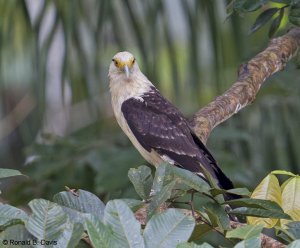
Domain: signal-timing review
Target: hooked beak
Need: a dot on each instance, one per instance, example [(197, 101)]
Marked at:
[(126, 70)]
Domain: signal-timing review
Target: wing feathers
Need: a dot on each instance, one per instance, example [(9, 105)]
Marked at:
[(159, 126)]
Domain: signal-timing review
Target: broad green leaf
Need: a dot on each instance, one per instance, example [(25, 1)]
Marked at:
[(167, 229), (268, 189), (79, 205), (199, 231), (255, 203), (261, 213), (217, 215), (263, 18), (163, 184), (99, 234), (9, 173), (47, 221), (71, 235), (291, 200), (160, 197), (276, 23), (236, 191), (293, 228), (15, 232), (133, 204), (294, 244), (191, 180), (282, 172), (294, 15), (239, 191), (193, 245), (244, 232), (11, 215), (162, 177), (126, 229), (254, 242), (283, 234), (142, 180)]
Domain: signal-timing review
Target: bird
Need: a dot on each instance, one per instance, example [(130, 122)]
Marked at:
[(157, 128)]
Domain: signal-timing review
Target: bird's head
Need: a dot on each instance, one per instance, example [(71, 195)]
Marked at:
[(123, 63)]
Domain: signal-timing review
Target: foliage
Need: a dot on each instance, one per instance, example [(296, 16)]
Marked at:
[(193, 41), (198, 64), (287, 197), (79, 218), (275, 13)]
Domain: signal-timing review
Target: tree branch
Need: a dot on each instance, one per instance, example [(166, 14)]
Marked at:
[(244, 90), (242, 93)]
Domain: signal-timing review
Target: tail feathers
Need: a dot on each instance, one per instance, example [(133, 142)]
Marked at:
[(211, 165), (225, 183)]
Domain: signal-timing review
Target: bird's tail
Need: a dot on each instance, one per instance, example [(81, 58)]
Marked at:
[(214, 170), (225, 183)]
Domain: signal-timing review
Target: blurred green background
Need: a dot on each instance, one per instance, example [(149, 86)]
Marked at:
[(56, 122)]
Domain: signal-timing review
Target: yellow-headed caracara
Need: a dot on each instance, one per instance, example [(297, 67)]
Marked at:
[(155, 127)]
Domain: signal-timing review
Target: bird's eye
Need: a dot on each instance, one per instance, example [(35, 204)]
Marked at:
[(115, 62), (133, 61)]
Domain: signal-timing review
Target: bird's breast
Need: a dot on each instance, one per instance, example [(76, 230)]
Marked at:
[(152, 157)]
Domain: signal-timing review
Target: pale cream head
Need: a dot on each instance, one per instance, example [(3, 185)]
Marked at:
[(125, 78), (123, 63)]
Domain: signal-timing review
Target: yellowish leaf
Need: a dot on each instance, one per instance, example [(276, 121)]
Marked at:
[(268, 189), (291, 199)]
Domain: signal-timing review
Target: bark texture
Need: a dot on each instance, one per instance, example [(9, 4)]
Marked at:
[(250, 78)]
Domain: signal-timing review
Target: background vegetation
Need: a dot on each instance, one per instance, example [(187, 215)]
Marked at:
[(56, 122)]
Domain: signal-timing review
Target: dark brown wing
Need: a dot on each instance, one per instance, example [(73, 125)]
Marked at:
[(158, 125)]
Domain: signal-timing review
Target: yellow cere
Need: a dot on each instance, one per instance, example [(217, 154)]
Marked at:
[(121, 64)]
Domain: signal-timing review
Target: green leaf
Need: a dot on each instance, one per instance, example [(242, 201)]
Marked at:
[(10, 215), (254, 242), (163, 176), (294, 244), (15, 232), (126, 229), (236, 191), (190, 179), (276, 23), (47, 221), (261, 213), (71, 235), (193, 245), (293, 228), (294, 15), (9, 173), (291, 200), (160, 197), (99, 234), (244, 232), (142, 180), (133, 204), (248, 5), (199, 231), (263, 18), (255, 203), (167, 229), (77, 206), (161, 191), (217, 215)]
